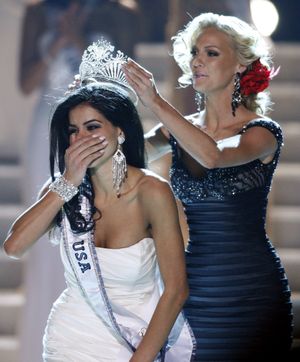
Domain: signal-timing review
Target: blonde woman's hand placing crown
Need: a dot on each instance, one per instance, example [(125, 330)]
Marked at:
[(142, 82)]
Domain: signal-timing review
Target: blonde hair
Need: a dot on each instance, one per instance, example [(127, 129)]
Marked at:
[(248, 44)]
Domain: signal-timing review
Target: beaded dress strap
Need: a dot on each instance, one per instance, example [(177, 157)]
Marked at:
[(269, 124)]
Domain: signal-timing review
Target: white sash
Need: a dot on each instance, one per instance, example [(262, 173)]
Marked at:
[(125, 326)]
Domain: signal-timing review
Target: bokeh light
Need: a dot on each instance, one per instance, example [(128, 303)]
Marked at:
[(265, 16)]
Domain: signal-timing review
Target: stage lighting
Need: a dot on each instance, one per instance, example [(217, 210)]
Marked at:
[(264, 15)]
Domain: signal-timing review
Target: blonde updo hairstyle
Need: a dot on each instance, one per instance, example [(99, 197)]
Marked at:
[(248, 43)]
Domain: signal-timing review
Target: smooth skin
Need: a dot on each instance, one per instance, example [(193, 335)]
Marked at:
[(213, 65), (150, 212)]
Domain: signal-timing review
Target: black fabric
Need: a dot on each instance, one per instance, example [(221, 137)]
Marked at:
[(239, 306)]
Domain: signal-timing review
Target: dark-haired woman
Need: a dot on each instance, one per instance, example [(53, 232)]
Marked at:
[(53, 36), (119, 236)]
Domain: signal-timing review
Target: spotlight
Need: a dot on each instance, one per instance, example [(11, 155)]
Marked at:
[(264, 15)]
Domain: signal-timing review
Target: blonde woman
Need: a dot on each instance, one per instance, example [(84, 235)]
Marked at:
[(224, 157)]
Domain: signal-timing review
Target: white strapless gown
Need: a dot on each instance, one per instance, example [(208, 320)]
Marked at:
[(74, 333)]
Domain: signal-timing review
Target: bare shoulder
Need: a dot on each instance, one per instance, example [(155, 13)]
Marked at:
[(157, 199), (153, 187), (151, 180)]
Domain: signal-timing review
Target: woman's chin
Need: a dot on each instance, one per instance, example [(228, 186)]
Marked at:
[(198, 87)]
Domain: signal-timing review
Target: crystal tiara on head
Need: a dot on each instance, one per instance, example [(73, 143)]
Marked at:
[(100, 65)]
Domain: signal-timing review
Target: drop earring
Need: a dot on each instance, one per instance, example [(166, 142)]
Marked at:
[(236, 97), (200, 101), (119, 166)]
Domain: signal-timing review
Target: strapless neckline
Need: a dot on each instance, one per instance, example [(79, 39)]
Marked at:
[(138, 243)]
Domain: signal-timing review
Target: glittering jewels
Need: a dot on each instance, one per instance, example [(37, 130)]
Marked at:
[(74, 85), (63, 188), (221, 183), (236, 97), (100, 65), (119, 167)]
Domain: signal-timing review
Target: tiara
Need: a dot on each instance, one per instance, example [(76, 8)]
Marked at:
[(100, 65)]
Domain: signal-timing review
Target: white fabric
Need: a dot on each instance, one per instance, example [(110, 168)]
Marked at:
[(229, 142), (130, 280)]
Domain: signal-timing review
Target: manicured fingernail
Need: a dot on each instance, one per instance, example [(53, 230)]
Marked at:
[(102, 138)]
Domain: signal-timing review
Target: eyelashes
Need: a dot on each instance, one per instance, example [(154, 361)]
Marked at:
[(93, 127), (88, 128), (210, 53), (193, 52)]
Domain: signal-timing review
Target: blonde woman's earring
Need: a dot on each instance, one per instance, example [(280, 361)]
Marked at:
[(236, 97), (200, 101)]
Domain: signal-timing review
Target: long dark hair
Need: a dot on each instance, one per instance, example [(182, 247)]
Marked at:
[(118, 109)]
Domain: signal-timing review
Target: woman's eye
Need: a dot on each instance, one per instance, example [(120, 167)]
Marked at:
[(194, 52), (212, 53), (92, 127)]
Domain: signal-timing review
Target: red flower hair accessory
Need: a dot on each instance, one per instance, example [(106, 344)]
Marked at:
[(257, 78)]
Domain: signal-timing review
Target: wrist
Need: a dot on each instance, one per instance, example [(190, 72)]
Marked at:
[(158, 103), (72, 180), (64, 188)]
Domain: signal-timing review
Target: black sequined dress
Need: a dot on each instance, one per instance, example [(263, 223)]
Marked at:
[(239, 306)]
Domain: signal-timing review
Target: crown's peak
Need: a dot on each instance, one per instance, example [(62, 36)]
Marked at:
[(100, 65)]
